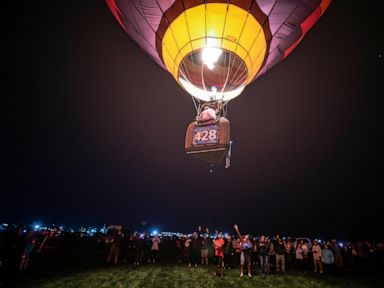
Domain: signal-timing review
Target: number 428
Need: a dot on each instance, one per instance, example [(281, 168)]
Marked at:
[(206, 135)]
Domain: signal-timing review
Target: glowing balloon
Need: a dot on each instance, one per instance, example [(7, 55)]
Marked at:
[(214, 49)]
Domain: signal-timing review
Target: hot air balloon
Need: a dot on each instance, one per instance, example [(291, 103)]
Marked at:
[(214, 49)]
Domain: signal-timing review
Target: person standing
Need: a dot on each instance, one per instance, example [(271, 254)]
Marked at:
[(155, 247), (304, 247), (29, 247), (289, 253), (124, 247), (264, 255), (228, 253), (246, 250), (236, 252), (46, 247), (337, 251), (196, 244), (299, 256), (219, 254), (254, 255), (328, 258), (272, 254), (205, 249), (180, 249), (280, 257), (316, 252), (187, 250), (140, 249), (131, 248), (115, 247)]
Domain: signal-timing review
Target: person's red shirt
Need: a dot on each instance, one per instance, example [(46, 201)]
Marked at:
[(219, 247)]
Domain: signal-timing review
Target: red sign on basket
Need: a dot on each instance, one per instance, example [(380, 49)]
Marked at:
[(205, 135)]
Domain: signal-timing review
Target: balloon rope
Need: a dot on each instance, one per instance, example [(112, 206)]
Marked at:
[(196, 106), (202, 77), (236, 79), (228, 71)]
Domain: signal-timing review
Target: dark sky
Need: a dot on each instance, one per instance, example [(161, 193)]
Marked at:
[(94, 131)]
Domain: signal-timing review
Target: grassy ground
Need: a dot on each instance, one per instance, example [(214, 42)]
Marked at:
[(168, 275), (82, 265)]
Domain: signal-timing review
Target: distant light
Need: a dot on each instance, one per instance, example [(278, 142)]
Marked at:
[(5, 224), (104, 229), (36, 226), (154, 232), (341, 244)]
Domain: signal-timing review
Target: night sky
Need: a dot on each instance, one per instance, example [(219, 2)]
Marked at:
[(94, 130)]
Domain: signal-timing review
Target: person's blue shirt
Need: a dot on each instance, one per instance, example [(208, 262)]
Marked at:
[(327, 256)]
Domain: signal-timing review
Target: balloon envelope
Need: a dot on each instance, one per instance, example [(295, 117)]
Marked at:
[(214, 49)]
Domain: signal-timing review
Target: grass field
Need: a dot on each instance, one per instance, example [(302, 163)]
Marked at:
[(168, 275), (82, 265)]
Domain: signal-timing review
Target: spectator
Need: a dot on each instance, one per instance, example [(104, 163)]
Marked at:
[(47, 245), (205, 249), (29, 247), (219, 254), (328, 258), (228, 253), (289, 253), (124, 247), (187, 250), (131, 248), (263, 250), (300, 257), (115, 247), (280, 257), (155, 247), (236, 251), (305, 248), (336, 249), (316, 252), (246, 249), (196, 244), (348, 256), (180, 249), (272, 254), (141, 244), (254, 255)]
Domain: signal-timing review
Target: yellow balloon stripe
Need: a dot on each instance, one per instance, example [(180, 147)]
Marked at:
[(219, 25)]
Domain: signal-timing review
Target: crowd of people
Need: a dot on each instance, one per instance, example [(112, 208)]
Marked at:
[(202, 248), (223, 251)]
